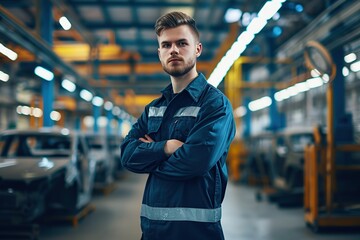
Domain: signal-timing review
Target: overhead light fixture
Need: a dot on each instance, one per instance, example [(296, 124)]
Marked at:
[(232, 15), (68, 85), (355, 67), (108, 105), (44, 73), (269, 9), (65, 23), (86, 95), (345, 71), (8, 52), (55, 116), (260, 103), (97, 101), (350, 57), (4, 77)]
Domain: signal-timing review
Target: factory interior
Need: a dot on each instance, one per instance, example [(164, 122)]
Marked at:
[(77, 75)]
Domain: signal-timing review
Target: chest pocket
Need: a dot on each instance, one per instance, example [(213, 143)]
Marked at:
[(154, 124), (183, 121)]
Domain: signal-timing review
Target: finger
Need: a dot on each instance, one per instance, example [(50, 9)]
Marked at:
[(148, 138), (143, 140)]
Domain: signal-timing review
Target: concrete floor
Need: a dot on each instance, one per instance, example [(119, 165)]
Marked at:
[(117, 217)]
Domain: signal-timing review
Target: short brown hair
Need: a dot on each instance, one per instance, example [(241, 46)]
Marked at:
[(175, 19)]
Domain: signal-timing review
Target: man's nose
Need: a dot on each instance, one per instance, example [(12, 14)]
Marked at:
[(174, 49)]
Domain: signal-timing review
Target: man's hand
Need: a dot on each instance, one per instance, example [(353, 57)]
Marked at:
[(146, 139), (171, 146)]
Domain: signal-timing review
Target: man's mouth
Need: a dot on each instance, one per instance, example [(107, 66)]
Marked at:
[(174, 60)]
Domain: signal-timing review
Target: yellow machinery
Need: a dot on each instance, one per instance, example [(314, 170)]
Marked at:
[(325, 203)]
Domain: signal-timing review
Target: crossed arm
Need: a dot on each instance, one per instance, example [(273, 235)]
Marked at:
[(170, 146)]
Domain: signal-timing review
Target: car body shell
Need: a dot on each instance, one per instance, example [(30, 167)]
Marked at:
[(42, 170)]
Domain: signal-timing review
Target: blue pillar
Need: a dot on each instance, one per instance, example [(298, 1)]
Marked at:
[(109, 118), (96, 115), (47, 88), (96, 110), (275, 117), (120, 128), (343, 126), (77, 123)]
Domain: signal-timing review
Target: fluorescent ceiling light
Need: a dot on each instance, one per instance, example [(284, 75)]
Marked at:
[(86, 95), (68, 85), (116, 111), (256, 25), (243, 40), (8, 52), (269, 9), (345, 71), (4, 77), (65, 23), (232, 15), (97, 101), (55, 116), (314, 82), (108, 105), (44, 73), (260, 103), (350, 57), (355, 67)]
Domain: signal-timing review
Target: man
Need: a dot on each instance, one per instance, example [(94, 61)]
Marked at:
[(181, 140)]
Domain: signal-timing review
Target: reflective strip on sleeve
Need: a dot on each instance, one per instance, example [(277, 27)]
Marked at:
[(191, 111), (181, 214), (157, 111)]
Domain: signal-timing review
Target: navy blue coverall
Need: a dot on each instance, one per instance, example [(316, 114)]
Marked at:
[(184, 192)]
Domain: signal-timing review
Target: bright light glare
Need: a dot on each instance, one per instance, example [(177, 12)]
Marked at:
[(245, 37), (345, 71), (314, 82), (65, 23), (269, 9), (108, 105), (350, 57), (44, 73), (86, 95), (55, 116), (256, 25), (97, 101), (232, 15), (302, 87), (8, 52), (260, 103), (4, 77), (355, 67), (68, 85), (240, 111), (267, 12)]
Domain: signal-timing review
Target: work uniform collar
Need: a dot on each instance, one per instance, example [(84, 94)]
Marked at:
[(194, 88)]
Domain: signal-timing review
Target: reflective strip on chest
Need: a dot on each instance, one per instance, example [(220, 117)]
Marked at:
[(157, 111), (191, 111), (181, 214)]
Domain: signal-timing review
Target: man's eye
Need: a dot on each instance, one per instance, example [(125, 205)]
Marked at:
[(166, 45), (182, 44)]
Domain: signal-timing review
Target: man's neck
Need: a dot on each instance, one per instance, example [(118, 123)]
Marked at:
[(180, 83)]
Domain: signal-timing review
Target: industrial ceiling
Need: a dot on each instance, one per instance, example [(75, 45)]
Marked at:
[(112, 48)]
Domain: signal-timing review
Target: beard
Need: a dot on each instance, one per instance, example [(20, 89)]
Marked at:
[(178, 71)]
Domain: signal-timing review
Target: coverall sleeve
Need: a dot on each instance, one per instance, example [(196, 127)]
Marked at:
[(206, 144), (137, 156)]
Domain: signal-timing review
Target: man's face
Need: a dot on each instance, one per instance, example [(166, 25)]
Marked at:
[(178, 50)]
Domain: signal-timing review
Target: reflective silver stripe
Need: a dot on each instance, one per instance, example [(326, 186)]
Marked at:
[(181, 214), (157, 111), (188, 112)]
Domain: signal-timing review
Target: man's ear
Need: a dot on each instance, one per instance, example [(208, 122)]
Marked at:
[(198, 49)]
